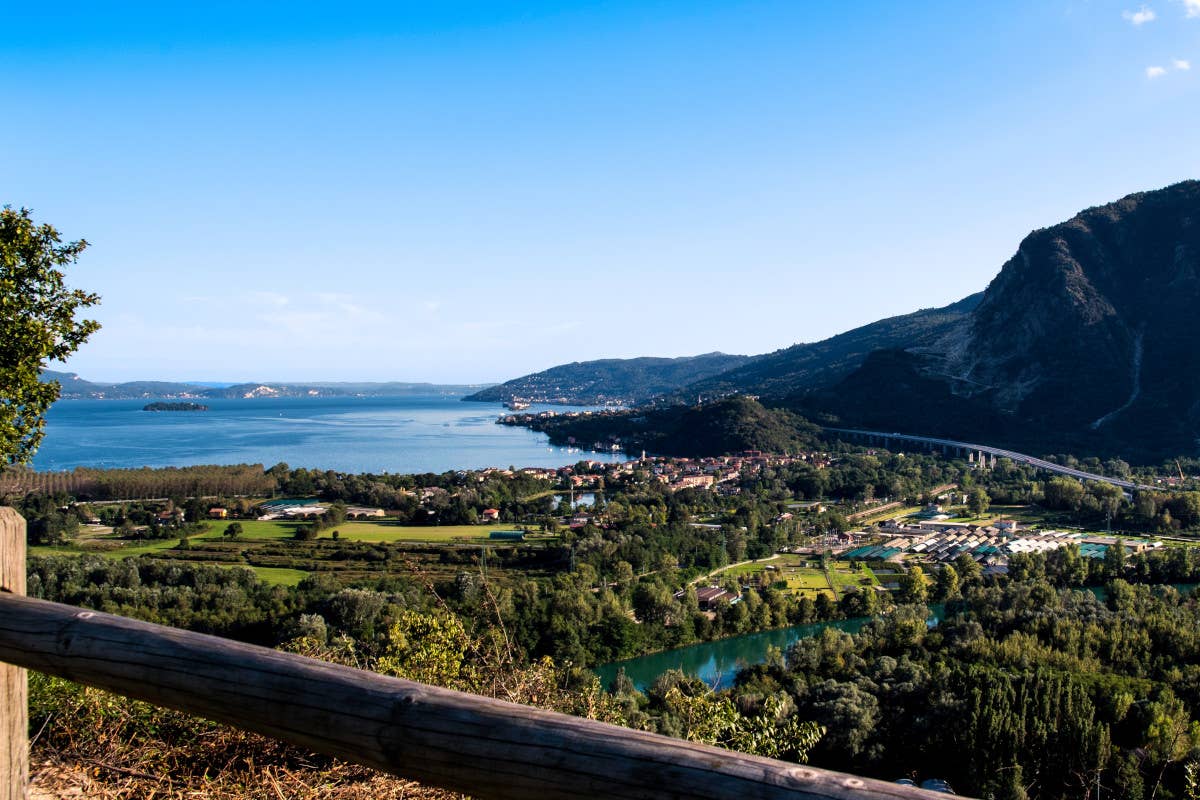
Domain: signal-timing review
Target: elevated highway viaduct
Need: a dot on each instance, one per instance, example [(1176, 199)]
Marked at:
[(974, 451)]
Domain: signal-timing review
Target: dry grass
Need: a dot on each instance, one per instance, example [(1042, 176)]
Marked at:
[(219, 763), (90, 743), (66, 778)]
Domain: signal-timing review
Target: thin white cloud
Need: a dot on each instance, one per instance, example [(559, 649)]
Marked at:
[(1181, 63), (1192, 7), (270, 298), (1155, 72), (1143, 15)]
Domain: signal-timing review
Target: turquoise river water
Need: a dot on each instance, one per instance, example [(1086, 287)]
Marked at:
[(716, 663)]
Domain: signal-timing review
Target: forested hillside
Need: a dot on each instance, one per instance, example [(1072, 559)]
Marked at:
[(627, 381), (803, 366), (731, 425)]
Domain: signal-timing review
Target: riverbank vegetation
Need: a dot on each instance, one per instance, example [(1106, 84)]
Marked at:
[(1032, 688)]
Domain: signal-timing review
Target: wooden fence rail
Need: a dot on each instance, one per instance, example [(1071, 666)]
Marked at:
[(484, 747), (14, 707)]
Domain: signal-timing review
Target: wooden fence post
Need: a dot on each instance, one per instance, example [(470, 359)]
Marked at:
[(14, 701)]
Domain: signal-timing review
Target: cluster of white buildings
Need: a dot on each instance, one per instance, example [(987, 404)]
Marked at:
[(943, 542), (313, 510)]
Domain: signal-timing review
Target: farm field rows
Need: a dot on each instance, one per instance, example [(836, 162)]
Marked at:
[(212, 547)]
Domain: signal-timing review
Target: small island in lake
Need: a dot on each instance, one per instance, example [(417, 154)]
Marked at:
[(174, 407)]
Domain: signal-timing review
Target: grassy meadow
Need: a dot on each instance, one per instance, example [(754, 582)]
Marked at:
[(800, 577)]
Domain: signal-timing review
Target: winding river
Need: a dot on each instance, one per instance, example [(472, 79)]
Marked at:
[(717, 663)]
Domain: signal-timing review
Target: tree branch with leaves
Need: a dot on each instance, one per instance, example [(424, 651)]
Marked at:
[(38, 323)]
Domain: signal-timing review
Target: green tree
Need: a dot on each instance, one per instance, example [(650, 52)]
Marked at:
[(914, 586), (1170, 734), (968, 569), (1106, 498), (978, 502), (1114, 560), (832, 522), (1065, 494), (947, 583), (233, 530), (623, 575), (430, 648), (37, 325), (1012, 786)]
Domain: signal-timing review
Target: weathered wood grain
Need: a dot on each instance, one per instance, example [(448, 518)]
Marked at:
[(14, 705), (484, 747)]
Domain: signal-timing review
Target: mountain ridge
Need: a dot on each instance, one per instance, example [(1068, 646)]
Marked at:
[(624, 381), (824, 362), (1084, 339), (77, 388)]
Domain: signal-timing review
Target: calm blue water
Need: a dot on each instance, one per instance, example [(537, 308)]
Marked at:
[(427, 433)]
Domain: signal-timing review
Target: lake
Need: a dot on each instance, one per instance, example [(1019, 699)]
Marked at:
[(419, 433)]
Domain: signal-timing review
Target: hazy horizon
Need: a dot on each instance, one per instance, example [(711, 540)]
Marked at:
[(222, 384), (216, 382)]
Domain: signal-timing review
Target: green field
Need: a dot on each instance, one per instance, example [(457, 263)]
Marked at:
[(1024, 514), (279, 575), (804, 580), (754, 567), (902, 511), (842, 577), (384, 532), (254, 530), (110, 548), (257, 547)]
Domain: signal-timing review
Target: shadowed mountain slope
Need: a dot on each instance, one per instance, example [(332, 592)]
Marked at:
[(1086, 339)]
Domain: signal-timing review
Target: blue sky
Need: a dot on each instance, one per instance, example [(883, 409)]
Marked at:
[(468, 191)]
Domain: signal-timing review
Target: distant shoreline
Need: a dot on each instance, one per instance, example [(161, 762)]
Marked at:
[(75, 388)]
